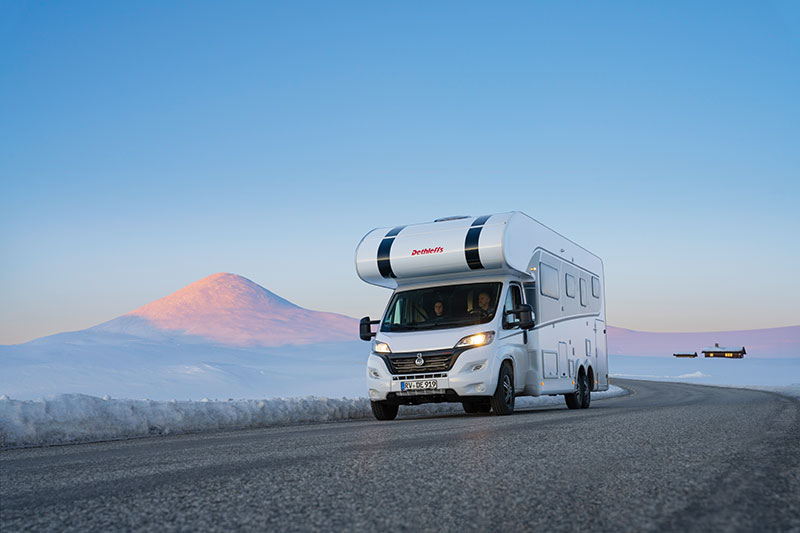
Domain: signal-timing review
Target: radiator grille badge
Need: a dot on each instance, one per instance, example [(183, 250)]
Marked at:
[(419, 361)]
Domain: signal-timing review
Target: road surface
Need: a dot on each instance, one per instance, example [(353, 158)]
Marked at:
[(668, 457)]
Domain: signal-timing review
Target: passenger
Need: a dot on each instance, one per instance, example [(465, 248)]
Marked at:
[(483, 305)]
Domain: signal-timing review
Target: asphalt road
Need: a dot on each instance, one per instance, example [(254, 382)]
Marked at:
[(669, 457)]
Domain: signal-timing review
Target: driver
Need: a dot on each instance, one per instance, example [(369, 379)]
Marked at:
[(483, 305)]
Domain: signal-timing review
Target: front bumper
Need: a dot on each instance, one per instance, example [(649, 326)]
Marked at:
[(470, 376)]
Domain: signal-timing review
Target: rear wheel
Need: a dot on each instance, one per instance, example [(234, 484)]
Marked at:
[(573, 401), (384, 410), (581, 398), (586, 390), (502, 400)]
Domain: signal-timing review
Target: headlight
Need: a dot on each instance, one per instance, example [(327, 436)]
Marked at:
[(479, 339), (380, 347)]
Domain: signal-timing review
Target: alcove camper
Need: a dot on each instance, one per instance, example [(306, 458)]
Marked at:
[(484, 309)]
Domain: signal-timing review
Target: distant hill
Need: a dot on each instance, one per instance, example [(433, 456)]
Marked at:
[(772, 342), (223, 309), (223, 336)]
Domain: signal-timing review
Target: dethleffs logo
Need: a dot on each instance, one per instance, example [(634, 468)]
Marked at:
[(426, 251)]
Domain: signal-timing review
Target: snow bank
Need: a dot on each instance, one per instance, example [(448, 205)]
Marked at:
[(70, 418)]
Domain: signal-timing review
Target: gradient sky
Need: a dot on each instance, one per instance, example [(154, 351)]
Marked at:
[(145, 145)]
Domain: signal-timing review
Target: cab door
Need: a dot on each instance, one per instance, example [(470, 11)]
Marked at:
[(514, 336)]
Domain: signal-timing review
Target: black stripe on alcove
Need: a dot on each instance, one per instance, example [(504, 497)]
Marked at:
[(384, 265), (471, 243)]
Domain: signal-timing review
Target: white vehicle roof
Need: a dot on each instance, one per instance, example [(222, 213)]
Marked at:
[(492, 244)]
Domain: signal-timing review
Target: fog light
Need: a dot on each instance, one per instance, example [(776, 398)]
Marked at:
[(373, 393), (481, 387)]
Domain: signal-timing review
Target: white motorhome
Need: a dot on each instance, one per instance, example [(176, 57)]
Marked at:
[(484, 309)]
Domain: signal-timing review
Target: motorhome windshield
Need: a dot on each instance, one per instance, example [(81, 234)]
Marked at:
[(449, 306)]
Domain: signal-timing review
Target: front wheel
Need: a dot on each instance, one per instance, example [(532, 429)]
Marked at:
[(470, 407), (503, 398), (384, 410)]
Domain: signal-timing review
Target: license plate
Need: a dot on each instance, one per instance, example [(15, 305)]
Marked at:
[(427, 384)]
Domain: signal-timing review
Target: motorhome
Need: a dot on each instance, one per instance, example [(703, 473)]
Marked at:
[(484, 309)]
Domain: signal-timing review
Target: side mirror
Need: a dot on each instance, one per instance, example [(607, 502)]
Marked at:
[(365, 328), (524, 314)]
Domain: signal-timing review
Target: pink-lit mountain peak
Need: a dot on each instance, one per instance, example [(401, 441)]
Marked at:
[(212, 295), (230, 309)]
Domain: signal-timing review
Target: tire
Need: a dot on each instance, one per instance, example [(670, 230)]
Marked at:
[(586, 391), (470, 407), (573, 400), (582, 397), (384, 410), (502, 400)]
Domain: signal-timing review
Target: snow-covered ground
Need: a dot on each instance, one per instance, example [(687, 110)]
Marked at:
[(134, 368), (70, 418), (779, 375)]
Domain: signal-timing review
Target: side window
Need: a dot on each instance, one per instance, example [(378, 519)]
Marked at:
[(583, 292), (513, 301), (548, 280), (530, 293), (570, 285), (395, 314), (595, 287)]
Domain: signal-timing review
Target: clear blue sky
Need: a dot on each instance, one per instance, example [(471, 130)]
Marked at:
[(145, 145)]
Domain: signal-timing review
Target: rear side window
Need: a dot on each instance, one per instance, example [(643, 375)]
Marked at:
[(570, 285), (596, 287), (583, 292), (548, 280)]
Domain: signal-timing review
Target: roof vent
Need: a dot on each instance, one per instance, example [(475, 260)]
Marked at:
[(445, 219)]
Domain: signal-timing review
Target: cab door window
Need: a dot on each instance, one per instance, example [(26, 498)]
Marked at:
[(513, 301)]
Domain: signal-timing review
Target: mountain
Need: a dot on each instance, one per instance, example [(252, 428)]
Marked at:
[(223, 336), (224, 309), (772, 342)]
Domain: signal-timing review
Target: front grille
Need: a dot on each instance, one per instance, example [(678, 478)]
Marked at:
[(419, 376), (406, 363)]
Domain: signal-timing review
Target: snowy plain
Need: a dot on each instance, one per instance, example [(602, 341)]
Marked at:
[(778, 375)]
